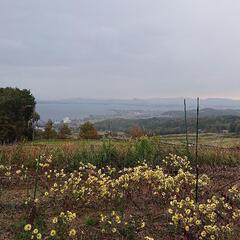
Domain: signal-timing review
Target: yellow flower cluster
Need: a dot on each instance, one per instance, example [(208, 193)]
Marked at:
[(8, 171), (148, 238), (115, 223), (89, 184), (66, 217), (174, 163), (45, 162), (110, 222), (234, 192), (203, 220), (35, 234), (63, 221), (169, 188)]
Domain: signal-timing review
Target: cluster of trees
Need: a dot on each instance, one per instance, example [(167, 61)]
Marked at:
[(63, 132), (17, 115), (87, 131)]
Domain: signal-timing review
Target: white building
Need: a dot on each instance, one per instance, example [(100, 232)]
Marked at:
[(67, 120)]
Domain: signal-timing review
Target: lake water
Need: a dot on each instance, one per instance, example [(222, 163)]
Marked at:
[(58, 111)]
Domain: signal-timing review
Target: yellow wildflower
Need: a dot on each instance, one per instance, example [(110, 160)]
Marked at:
[(27, 227)]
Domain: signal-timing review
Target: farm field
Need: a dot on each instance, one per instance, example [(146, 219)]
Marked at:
[(213, 139), (219, 140), (118, 190)]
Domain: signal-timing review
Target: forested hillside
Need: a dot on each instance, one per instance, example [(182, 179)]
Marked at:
[(171, 125)]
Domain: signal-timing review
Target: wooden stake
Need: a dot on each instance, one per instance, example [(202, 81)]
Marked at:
[(196, 156), (186, 126)]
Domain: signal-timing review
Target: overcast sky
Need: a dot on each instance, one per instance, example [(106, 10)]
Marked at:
[(121, 48)]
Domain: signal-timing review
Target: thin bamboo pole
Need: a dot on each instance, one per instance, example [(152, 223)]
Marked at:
[(196, 151), (186, 126)]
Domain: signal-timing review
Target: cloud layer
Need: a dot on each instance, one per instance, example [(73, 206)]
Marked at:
[(121, 49)]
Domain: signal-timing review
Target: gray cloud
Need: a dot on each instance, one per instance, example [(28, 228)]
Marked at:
[(122, 49)]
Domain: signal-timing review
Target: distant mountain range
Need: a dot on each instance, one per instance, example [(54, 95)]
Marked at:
[(208, 102), (205, 112), (79, 108)]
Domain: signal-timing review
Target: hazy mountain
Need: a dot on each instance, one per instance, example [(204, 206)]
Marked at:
[(79, 108)]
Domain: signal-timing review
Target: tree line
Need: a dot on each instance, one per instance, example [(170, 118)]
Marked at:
[(86, 131), (167, 125)]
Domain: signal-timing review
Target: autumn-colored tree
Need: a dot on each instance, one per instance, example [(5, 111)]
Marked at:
[(49, 131), (88, 131), (136, 132), (64, 131)]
